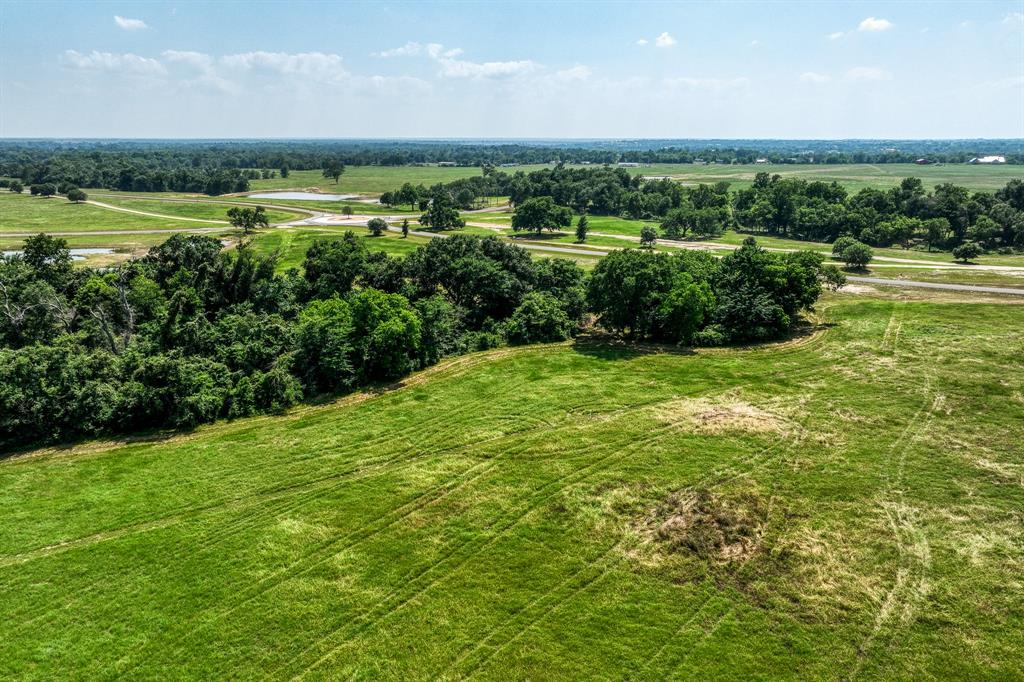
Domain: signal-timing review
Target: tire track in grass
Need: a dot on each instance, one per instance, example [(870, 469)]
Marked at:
[(732, 472), (281, 492), (757, 456), (910, 584), (548, 600), (294, 569), (532, 505)]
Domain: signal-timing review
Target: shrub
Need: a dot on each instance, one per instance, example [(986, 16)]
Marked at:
[(857, 255), (967, 251), (540, 318)]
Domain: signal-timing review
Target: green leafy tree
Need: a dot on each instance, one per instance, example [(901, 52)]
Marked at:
[(346, 211), (582, 227), (648, 237), (324, 352), (377, 226), (248, 219), (76, 195), (386, 334), (285, 171), (331, 266), (539, 214), (405, 228), (540, 318), (857, 255), (967, 251), (334, 170), (685, 310), (17, 187), (441, 214)]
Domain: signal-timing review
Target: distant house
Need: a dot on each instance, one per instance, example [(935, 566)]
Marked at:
[(446, 163), (509, 165), (627, 164), (762, 161), (924, 162), (988, 159)]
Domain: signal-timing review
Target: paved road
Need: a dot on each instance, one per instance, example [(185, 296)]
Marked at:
[(975, 288)]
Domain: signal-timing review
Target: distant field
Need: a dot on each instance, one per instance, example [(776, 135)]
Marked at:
[(202, 210), (847, 504), (377, 179), (24, 213), (853, 176), (293, 243)]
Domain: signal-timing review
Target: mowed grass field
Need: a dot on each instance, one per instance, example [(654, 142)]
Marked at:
[(21, 213), (845, 505)]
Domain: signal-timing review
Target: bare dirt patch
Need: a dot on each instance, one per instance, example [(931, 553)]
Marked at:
[(713, 527), (711, 416)]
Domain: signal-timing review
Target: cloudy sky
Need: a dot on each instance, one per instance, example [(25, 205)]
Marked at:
[(515, 69)]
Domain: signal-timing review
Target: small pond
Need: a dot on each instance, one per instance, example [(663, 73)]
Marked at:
[(307, 196), (76, 254)]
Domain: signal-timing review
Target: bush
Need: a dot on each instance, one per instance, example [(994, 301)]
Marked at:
[(539, 319), (840, 244), (76, 195), (323, 356), (857, 255), (967, 251), (377, 226), (386, 334)]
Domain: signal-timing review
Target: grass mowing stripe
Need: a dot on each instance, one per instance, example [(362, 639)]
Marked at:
[(537, 498)]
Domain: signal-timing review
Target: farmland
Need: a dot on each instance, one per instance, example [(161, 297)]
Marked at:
[(844, 504), (378, 179)]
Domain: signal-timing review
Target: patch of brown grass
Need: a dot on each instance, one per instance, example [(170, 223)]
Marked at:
[(711, 526), (709, 416)]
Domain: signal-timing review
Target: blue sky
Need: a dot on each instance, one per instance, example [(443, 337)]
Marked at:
[(516, 69)]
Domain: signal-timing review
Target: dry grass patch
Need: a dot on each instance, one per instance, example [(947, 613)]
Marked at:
[(713, 527), (719, 416)]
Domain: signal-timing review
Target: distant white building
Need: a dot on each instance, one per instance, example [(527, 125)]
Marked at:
[(988, 159), (627, 164), (760, 160), (446, 163)]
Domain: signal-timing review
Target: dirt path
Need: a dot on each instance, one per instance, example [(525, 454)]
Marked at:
[(976, 288)]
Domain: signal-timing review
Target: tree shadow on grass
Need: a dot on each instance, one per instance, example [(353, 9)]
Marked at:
[(607, 346)]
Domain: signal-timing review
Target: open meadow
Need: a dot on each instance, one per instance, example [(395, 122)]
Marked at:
[(845, 504), (378, 179)]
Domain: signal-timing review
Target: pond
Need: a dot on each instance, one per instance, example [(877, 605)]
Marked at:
[(76, 254), (307, 196)]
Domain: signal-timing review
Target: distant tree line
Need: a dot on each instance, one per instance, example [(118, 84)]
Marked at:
[(192, 332), (218, 167), (907, 215)]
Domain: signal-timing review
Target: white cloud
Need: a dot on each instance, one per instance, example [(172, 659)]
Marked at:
[(413, 49), (755, 43), (642, 41), (129, 24), (815, 78), (715, 84), (1014, 19), (835, 36), (108, 61), (867, 73), (195, 59), (664, 40), (309, 65), (576, 73), (873, 24), (457, 68)]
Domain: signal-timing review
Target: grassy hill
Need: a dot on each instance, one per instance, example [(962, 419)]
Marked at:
[(843, 505)]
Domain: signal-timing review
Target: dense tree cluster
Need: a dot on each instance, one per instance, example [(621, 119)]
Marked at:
[(150, 164), (905, 215), (192, 332)]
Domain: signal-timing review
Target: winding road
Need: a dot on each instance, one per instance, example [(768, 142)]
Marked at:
[(321, 218)]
